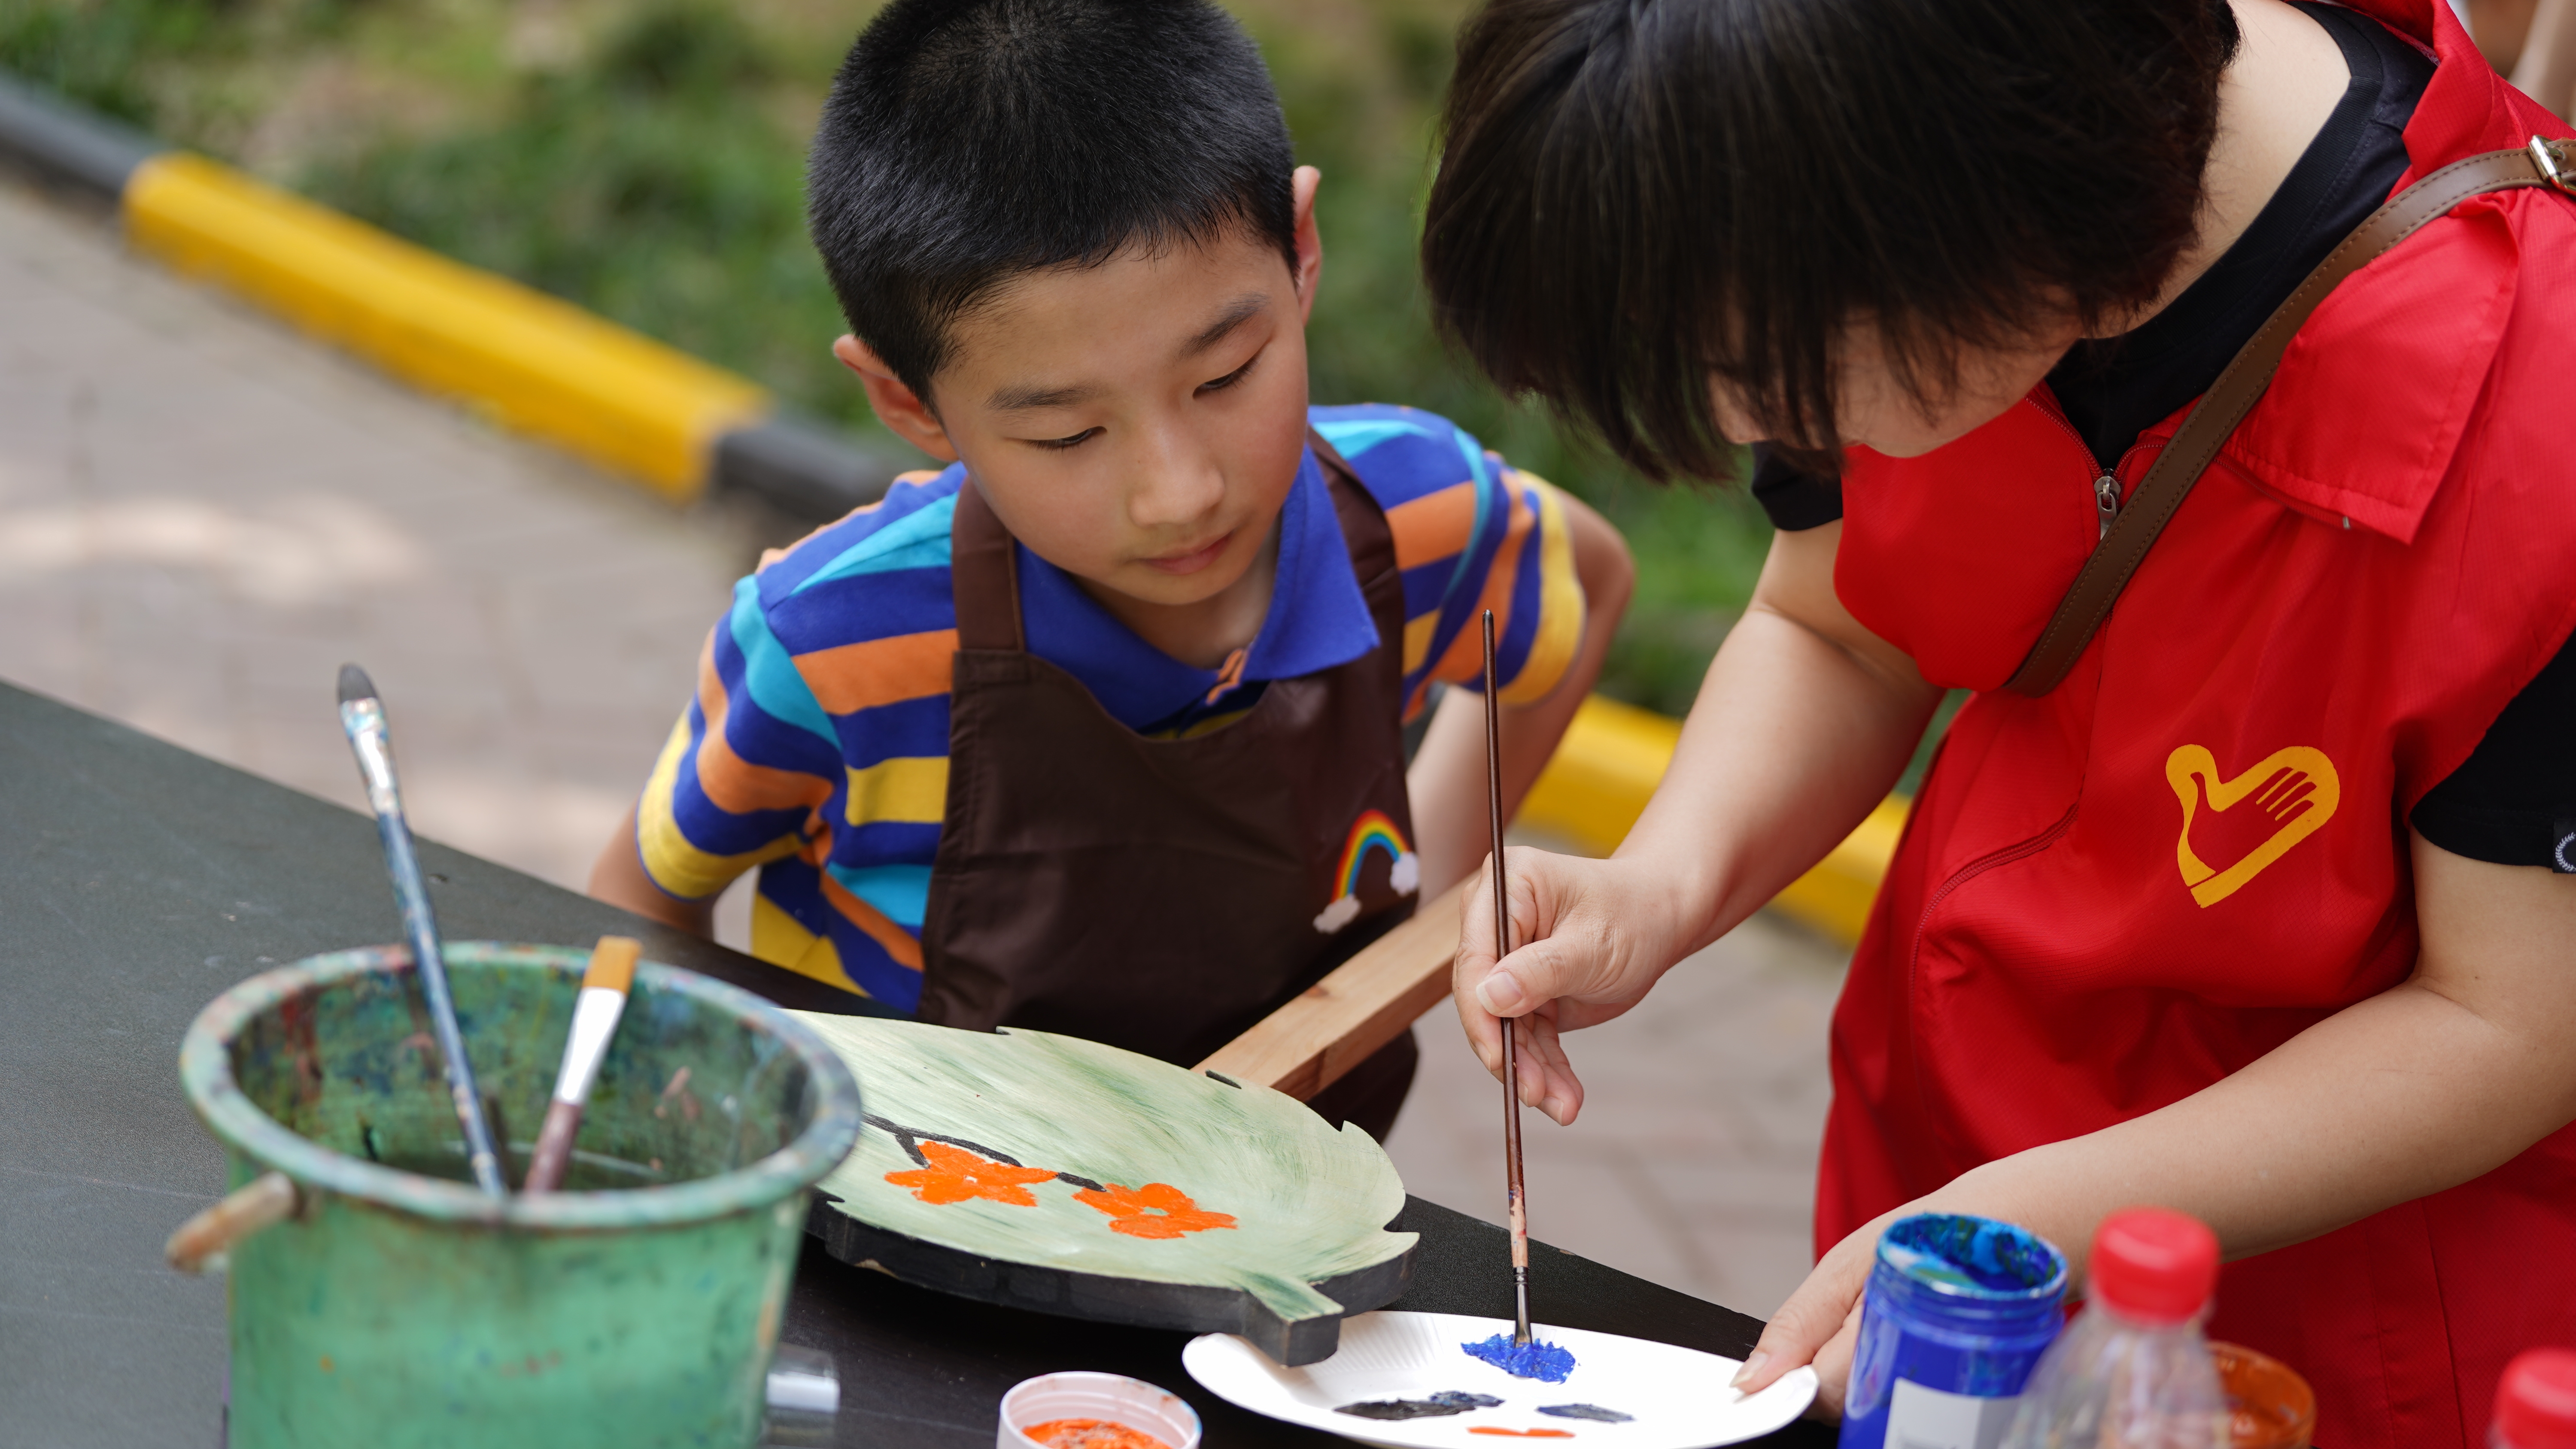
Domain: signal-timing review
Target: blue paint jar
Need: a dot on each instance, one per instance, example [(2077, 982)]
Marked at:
[(1958, 1311)]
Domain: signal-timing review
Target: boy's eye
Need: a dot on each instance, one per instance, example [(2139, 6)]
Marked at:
[(1231, 378), (1077, 438)]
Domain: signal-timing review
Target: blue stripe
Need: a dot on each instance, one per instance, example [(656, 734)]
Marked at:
[(769, 674), (907, 727), (916, 541), (858, 609), (901, 891)]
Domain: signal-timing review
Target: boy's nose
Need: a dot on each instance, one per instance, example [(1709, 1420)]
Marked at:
[(1174, 486)]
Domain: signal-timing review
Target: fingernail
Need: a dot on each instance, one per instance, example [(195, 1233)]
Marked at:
[(1499, 994), (1752, 1365)]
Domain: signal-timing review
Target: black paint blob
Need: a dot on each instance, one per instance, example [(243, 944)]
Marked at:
[(1439, 1406)]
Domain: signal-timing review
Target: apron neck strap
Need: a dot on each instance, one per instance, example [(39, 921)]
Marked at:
[(2205, 428), (984, 576)]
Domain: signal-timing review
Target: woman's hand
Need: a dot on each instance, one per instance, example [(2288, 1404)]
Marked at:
[(1820, 1323), (1599, 934)]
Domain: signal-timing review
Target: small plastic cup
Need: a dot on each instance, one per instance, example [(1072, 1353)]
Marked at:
[(1114, 1397), (2268, 1405)]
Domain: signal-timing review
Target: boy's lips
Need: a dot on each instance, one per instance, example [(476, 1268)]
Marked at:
[(1193, 560)]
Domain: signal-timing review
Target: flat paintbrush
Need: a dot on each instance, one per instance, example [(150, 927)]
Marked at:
[(594, 1021), (1511, 1053), (362, 715)]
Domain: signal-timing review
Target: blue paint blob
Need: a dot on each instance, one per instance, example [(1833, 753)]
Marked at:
[(1536, 1359), (1594, 1412)]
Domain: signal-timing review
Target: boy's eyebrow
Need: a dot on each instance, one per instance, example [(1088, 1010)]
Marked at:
[(1024, 398), (1237, 312)]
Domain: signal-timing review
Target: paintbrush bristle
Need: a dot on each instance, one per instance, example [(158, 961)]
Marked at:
[(355, 685), (612, 964)]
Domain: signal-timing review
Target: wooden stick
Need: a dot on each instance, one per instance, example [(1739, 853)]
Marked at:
[(1511, 1029), (1369, 1000)]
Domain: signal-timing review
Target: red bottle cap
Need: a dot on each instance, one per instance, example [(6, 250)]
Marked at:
[(2536, 1404), (2155, 1265)]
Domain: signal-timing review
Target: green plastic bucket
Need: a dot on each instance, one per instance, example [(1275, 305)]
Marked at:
[(399, 1306)]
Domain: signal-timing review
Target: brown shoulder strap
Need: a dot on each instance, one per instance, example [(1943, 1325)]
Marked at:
[(2205, 429), (1364, 527), (984, 576)]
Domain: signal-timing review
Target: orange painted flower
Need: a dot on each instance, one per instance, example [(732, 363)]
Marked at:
[(957, 1175), (1156, 1210)]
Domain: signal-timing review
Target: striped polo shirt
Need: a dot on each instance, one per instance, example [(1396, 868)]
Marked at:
[(817, 746)]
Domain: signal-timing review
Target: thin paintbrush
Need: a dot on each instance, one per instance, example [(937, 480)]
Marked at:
[(1511, 1053), (363, 716), (594, 1021)]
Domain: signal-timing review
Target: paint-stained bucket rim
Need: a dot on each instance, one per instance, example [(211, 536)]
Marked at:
[(206, 1071)]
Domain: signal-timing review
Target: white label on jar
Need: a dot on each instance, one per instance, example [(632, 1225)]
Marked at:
[(1921, 1418)]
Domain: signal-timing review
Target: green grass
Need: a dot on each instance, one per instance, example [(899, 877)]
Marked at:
[(651, 171)]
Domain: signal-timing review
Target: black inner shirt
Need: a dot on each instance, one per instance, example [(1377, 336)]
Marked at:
[(2514, 801)]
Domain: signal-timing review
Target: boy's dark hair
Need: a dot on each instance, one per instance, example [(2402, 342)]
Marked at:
[(967, 142), (1635, 195)]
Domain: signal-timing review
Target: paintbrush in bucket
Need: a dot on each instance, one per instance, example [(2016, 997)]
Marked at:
[(594, 1020), (362, 715)]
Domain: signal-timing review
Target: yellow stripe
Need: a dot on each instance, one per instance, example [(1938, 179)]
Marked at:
[(674, 864), (1560, 602), (910, 788), (1612, 757), (778, 940), (1418, 633), (524, 359)]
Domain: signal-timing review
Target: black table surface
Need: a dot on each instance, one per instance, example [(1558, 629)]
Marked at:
[(138, 881)]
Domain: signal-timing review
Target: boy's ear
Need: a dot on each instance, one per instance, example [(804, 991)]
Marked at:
[(1310, 243), (897, 406)]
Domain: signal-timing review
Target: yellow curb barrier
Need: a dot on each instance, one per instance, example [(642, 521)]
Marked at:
[(1609, 763), (523, 359)]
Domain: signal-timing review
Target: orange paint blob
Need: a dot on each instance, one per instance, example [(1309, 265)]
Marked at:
[(957, 1175), (1156, 1210), (1091, 1434), (1522, 1433)]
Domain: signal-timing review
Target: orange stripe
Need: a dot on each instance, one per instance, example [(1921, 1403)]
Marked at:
[(854, 677), (1465, 661), (897, 941), (1434, 526), (737, 786)]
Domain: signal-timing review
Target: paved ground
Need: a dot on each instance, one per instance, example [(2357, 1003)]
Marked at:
[(202, 517)]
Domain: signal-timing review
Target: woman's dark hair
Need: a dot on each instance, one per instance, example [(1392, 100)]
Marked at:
[(969, 141), (1635, 195)]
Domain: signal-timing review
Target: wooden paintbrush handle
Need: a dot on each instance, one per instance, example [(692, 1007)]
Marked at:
[(553, 1155)]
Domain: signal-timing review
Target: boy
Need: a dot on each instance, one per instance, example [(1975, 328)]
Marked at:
[(1099, 730)]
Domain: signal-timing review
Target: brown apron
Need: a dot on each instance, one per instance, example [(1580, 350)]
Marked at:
[(1163, 895)]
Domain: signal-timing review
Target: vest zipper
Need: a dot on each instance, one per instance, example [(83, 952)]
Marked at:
[(1975, 868), (2106, 502)]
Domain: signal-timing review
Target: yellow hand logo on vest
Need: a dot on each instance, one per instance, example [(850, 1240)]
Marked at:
[(2293, 792)]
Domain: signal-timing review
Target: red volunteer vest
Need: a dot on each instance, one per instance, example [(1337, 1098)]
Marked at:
[(2093, 912)]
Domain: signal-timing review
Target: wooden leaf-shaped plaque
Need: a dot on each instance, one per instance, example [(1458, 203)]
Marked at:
[(1053, 1173)]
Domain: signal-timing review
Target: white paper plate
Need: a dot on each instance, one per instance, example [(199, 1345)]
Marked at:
[(1678, 1396)]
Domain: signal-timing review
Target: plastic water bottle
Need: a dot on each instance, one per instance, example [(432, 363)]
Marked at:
[(2133, 1371), (2536, 1403)]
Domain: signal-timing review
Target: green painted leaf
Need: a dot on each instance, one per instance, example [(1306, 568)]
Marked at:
[(1308, 1202)]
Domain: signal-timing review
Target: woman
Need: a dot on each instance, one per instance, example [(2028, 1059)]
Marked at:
[(2254, 914)]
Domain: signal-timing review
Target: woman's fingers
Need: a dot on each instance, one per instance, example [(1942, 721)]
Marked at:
[(1581, 960), (1825, 1305), (1833, 1364)]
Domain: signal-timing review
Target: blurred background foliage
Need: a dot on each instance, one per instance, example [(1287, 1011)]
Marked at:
[(645, 158)]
